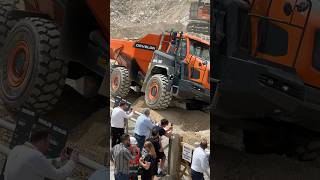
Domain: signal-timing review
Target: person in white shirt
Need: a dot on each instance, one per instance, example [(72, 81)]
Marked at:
[(28, 161), (200, 161), (118, 117)]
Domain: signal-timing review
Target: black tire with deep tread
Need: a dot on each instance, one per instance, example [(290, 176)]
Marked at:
[(48, 73), (124, 85), (164, 98), (6, 22)]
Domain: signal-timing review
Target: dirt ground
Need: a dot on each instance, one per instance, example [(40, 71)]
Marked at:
[(191, 125), (230, 164), (86, 119)]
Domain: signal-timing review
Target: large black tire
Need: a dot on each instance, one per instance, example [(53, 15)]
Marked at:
[(119, 82), (156, 94), (31, 75), (6, 22)]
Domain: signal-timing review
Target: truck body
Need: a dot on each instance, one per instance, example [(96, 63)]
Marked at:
[(184, 60), (266, 61)]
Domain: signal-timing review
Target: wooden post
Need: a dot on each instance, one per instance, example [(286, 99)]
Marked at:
[(175, 156), (126, 125)]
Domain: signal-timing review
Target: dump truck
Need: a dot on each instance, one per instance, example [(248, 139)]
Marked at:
[(43, 42), (267, 61), (166, 66), (199, 17)]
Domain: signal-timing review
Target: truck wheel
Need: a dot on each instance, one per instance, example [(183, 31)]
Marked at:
[(31, 75), (156, 94), (6, 22), (120, 83)]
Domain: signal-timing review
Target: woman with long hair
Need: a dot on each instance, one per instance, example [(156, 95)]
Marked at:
[(148, 162)]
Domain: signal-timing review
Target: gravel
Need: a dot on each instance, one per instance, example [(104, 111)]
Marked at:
[(134, 18)]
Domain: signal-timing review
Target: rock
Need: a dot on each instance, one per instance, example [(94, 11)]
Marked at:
[(315, 145), (310, 156), (300, 150)]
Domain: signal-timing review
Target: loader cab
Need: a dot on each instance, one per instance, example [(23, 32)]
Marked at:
[(197, 61), (191, 56)]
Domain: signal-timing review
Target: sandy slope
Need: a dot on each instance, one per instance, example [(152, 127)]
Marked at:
[(134, 18)]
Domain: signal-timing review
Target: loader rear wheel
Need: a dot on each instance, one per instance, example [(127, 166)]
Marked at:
[(156, 95), (120, 83), (31, 75), (6, 21)]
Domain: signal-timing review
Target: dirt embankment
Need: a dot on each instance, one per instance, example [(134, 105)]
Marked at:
[(191, 125), (134, 18)]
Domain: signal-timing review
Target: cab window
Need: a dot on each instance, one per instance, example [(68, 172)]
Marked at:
[(200, 50)]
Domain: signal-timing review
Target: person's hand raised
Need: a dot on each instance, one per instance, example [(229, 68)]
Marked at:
[(75, 156), (141, 160), (64, 154)]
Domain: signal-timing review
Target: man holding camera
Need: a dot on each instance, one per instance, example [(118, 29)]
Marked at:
[(28, 161), (118, 117)]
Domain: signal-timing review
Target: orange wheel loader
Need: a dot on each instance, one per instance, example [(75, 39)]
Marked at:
[(267, 60), (166, 66)]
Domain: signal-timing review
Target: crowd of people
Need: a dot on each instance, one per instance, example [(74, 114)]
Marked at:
[(139, 155), (143, 154)]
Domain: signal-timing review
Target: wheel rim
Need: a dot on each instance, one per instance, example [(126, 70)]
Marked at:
[(153, 91), (115, 82), (18, 63)]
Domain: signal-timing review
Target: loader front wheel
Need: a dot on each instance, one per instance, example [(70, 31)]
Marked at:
[(120, 83), (157, 95), (31, 75)]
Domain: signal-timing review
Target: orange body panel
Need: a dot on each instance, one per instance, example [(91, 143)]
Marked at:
[(204, 13), (128, 50), (101, 13), (294, 25)]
